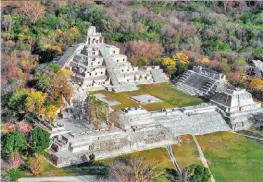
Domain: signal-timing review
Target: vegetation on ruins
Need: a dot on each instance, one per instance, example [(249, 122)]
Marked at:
[(97, 111)]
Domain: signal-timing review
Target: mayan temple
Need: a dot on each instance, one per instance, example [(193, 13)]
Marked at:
[(96, 65)]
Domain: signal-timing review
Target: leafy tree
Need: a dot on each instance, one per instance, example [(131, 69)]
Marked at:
[(192, 173), (43, 83), (50, 112), (14, 174), (35, 101), (257, 84), (60, 86), (168, 64), (40, 140), (36, 164), (13, 141), (17, 100), (15, 160), (197, 173)]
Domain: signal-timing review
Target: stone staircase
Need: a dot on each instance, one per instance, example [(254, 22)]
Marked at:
[(183, 77), (158, 75), (187, 89)]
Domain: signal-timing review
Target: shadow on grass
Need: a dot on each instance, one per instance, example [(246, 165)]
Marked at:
[(172, 175), (88, 168)]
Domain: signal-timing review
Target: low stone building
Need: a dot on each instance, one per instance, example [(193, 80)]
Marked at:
[(138, 129)]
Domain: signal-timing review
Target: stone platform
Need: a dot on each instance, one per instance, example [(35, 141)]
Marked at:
[(145, 99)]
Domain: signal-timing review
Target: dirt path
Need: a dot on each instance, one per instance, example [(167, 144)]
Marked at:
[(170, 152), (85, 178), (202, 157), (249, 136)]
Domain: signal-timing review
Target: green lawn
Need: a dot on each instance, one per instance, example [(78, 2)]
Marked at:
[(187, 153), (233, 157), (164, 91), (158, 157)]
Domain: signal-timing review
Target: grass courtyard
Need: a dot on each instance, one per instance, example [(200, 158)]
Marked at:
[(232, 157), (170, 96), (187, 153)]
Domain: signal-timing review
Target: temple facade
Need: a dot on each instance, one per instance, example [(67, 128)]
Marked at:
[(239, 109)]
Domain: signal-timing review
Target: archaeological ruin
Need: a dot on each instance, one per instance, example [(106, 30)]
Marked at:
[(200, 81), (96, 65)]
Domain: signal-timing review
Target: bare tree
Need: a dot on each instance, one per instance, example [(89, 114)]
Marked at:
[(131, 170)]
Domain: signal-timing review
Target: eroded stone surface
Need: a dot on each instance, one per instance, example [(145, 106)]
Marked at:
[(146, 99)]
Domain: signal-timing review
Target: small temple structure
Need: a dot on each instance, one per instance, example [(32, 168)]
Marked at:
[(238, 107)]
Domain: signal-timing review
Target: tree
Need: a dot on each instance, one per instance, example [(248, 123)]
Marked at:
[(204, 60), (36, 164), (32, 10), (192, 173), (197, 173), (35, 101), (17, 100), (15, 160), (13, 141), (60, 86), (168, 64), (181, 57), (143, 49), (97, 111), (40, 140), (14, 174), (43, 83), (129, 170), (256, 84), (24, 127), (50, 112), (8, 126)]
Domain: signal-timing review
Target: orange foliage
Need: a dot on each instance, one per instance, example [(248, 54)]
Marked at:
[(24, 127), (9, 126), (181, 57), (256, 84)]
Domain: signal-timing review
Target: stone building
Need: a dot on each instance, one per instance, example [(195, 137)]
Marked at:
[(239, 109), (96, 65), (138, 129), (201, 81)]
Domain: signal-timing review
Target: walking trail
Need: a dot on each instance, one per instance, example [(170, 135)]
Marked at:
[(249, 136), (202, 157), (170, 152)]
